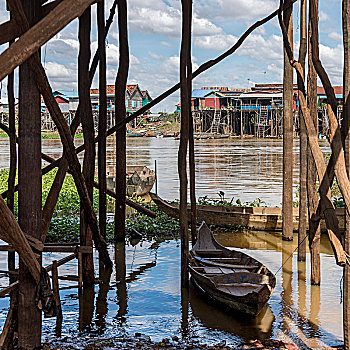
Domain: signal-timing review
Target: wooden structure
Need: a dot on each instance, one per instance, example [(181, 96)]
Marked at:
[(33, 23)]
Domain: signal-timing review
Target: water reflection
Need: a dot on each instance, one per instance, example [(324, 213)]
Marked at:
[(120, 277), (86, 308), (101, 300)]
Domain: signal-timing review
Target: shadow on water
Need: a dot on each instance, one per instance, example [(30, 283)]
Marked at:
[(120, 277)]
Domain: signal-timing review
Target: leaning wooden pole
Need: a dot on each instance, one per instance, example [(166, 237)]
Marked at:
[(120, 115), (185, 74), (89, 135), (346, 133), (303, 145), (287, 200), (29, 192), (102, 119), (314, 226)]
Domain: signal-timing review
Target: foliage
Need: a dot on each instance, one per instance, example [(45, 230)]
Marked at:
[(222, 201)]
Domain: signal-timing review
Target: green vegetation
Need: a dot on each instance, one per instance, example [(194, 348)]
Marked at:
[(64, 226), (48, 136)]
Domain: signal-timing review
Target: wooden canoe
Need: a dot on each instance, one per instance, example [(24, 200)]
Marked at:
[(230, 278), (254, 218)]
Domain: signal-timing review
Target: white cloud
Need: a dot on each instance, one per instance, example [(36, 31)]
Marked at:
[(323, 16), (335, 36)]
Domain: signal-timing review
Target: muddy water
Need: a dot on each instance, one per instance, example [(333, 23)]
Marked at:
[(244, 169), (145, 294)]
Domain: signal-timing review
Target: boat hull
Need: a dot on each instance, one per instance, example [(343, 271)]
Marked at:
[(254, 218)]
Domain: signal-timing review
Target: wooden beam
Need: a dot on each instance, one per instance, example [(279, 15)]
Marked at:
[(9, 31), (39, 34)]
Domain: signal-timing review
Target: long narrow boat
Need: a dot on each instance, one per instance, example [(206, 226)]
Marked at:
[(254, 218), (230, 278)]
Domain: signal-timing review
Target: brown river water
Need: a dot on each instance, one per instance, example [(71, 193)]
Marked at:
[(145, 294)]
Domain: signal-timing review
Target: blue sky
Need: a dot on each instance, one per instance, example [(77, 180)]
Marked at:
[(154, 40)]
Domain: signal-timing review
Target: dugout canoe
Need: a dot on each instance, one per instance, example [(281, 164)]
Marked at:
[(253, 218), (230, 278)]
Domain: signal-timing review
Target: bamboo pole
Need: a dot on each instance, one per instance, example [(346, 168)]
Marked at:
[(346, 137), (314, 227), (120, 116), (87, 123), (303, 145), (185, 76), (287, 205), (192, 174), (102, 119)]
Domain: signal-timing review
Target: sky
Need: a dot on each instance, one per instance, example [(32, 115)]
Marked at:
[(155, 38)]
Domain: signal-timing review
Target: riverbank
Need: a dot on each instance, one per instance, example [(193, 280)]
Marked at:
[(144, 342)]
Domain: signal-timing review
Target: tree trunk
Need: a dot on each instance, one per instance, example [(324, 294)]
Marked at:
[(29, 193), (303, 145), (120, 115), (287, 229)]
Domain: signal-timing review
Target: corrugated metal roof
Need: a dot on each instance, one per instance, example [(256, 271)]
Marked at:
[(201, 93)]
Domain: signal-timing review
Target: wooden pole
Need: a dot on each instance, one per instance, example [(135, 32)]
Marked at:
[(89, 134), (29, 192), (185, 75), (287, 203), (120, 115), (13, 159), (314, 227), (102, 119), (303, 145), (346, 134)]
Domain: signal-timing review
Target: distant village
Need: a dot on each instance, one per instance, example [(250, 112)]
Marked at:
[(216, 110)]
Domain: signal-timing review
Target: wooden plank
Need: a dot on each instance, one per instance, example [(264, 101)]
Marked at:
[(39, 34)]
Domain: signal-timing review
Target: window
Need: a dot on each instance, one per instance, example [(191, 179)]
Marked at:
[(134, 103)]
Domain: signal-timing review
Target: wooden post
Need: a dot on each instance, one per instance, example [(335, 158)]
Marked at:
[(29, 193), (89, 134), (120, 115), (13, 159), (185, 75), (102, 119), (56, 296), (80, 270), (287, 209), (346, 137), (303, 145), (314, 228)]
